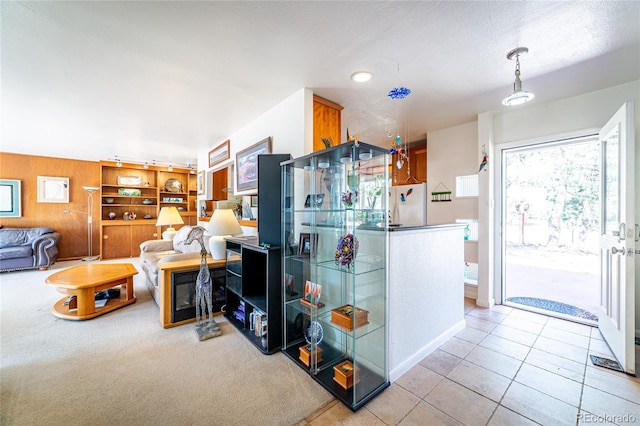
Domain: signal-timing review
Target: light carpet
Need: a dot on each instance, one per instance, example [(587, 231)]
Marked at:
[(124, 368)]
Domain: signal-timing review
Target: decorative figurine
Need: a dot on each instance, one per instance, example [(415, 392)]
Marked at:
[(205, 328)]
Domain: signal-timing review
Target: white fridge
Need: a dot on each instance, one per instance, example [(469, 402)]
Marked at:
[(408, 205)]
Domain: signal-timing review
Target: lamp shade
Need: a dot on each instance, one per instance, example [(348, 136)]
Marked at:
[(169, 216), (222, 223)]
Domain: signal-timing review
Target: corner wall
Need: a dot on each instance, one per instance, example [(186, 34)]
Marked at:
[(290, 125)]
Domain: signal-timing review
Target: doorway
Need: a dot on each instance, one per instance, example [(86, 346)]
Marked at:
[(551, 224)]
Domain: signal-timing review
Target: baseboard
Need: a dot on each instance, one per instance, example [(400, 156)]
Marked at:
[(471, 291), (485, 303), (407, 365)]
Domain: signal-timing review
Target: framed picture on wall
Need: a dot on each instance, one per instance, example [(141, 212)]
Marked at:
[(247, 164), (219, 153), (10, 198), (201, 182), (53, 189)]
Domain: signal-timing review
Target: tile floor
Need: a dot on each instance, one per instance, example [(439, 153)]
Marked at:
[(507, 367)]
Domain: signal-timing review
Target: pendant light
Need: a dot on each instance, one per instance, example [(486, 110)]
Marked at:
[(518, 96)]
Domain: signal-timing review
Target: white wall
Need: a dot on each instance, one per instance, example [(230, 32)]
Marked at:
[(540, 122), (451, 152), (290, 125)]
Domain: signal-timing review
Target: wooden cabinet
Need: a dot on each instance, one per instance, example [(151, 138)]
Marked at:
[(220, 184), (326, 122), (413, 172), (130, 200), (121, 239)]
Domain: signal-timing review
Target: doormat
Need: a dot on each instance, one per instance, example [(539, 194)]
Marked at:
[(551, 305), (606, 363)]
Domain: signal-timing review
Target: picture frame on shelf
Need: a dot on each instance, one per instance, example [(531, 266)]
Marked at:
[(247, 164), (219, 154), (254, 201), (200, 183), (314, 200), (308, 242), (129, 180), (10, 198), (53, 189)]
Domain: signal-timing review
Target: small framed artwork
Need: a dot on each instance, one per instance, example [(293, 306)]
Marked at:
[(201, 182), (308, 243), (314, 200), (254, 201), (219, 153), (247, 164), (10, 198), (53, 189)]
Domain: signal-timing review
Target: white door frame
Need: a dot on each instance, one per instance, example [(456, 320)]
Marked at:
[(498, 167)]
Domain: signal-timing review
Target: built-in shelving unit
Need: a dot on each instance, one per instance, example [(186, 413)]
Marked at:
[(131, 197)]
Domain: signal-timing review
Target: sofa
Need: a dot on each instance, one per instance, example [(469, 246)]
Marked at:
[(155, 252), (28, 248)]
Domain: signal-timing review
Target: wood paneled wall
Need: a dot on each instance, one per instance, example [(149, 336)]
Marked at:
[(73, 226)]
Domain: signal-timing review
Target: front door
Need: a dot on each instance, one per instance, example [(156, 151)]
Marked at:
[(618, 237)]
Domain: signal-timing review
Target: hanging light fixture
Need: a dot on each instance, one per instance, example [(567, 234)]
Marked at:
[(518, 96)]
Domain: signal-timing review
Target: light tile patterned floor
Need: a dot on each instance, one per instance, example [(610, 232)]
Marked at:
[(507, 367)]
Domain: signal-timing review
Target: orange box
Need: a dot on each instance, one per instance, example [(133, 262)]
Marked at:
[(343, 374), (307, 356), (347, 316)]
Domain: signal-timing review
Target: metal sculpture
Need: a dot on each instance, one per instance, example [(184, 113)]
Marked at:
[(206, 328)]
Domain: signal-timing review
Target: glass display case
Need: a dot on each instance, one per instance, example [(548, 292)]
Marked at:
[(335, 242)]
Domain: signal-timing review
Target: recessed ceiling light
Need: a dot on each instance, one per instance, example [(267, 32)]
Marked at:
[(361, 76)]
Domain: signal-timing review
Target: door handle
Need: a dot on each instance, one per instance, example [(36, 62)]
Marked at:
[(615, 250)]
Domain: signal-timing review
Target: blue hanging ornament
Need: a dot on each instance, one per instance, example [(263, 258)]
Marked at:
[(399, 93)]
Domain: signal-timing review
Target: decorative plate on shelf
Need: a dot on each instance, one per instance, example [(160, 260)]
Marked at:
[(314, 333), (347, 250), (173, 185)]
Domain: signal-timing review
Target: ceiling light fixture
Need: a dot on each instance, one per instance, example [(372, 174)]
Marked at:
[(518, 96), (361, 76)]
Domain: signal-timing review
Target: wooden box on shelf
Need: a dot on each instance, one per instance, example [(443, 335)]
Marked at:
[(343, 374), (348, 317), (307, 356)]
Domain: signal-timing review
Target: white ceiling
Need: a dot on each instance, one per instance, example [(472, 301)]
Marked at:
[(171, 80)]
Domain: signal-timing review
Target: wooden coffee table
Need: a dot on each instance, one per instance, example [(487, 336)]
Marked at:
[(84, 281)]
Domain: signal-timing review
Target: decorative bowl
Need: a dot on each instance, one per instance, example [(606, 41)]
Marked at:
[(109, 200), (147, 201)]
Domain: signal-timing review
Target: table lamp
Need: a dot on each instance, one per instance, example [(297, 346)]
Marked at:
[(169, 216), (222, 224)]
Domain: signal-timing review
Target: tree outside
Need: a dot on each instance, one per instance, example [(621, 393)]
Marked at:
[(553, 222)]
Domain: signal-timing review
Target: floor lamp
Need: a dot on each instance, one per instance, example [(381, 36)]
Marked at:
[(90, 190)]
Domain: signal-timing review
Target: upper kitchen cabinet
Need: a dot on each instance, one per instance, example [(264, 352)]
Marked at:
[(413, 170), (326, 122)]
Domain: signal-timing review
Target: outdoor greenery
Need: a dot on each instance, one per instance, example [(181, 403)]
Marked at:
[(559, 186)]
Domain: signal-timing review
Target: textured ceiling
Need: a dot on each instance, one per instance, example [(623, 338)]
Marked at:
[(92, 80)]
